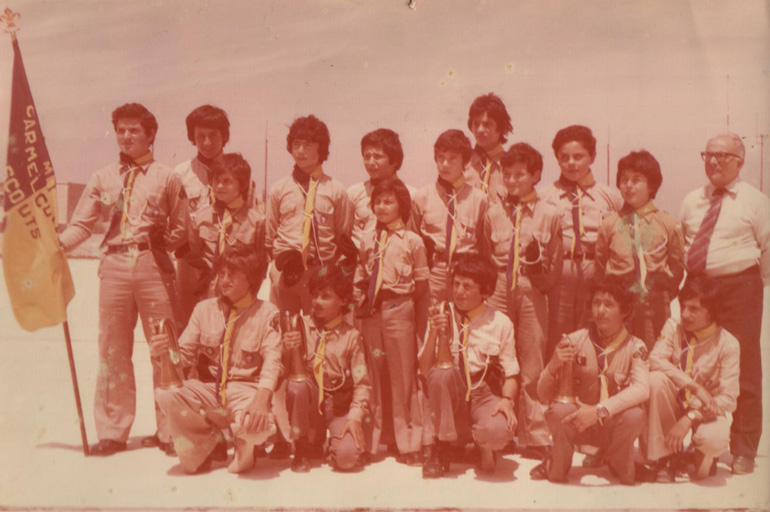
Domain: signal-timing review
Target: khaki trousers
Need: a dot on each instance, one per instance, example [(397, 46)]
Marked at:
[(130, 285), (664, 410), (568, 308), (454, 419), (389, 336), (527, 307), (196, 418), (192, 287)]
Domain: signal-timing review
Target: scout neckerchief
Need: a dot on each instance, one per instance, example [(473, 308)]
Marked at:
[(696, 256), (224, 216), (451, 206), (488, 161), (226, 346), (465, 321), (209, 175), (133, 166), (375, 280), (514, 259), (603, 358), (308, 215), (576, 190), (687, 359), (320, 354)]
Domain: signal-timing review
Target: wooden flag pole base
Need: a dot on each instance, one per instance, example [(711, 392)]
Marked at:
[(76, 389)]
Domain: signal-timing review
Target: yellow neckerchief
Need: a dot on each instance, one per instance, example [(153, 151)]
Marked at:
[(486, 173), (140, 162), (307, 218), (697, 336), (465, 320), (451, 244), (613, 345), (320, 354), (514, 255), (581, 185), (242, 303)]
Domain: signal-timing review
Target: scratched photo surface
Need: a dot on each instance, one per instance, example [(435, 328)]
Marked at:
[(654, 75)]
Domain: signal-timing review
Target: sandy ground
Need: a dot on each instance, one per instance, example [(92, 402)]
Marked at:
[(43, 464)]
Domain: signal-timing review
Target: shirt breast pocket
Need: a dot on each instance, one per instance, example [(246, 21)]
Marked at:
[(501, 241), (209, 234), (404, 272), (618, 382), (209, 346), (324, 212), (433, 223), (249, 359), (466, 232)]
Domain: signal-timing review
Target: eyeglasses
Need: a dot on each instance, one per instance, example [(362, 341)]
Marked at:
[(720, 156)]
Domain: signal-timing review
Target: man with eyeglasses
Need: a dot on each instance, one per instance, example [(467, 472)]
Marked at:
[(726, 228)]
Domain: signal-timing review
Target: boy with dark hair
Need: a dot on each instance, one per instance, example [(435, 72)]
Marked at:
[(642, 245), (393, 276), (469, 363), (309, 217), (335, 390), (523, 235), (145, 202), (583, 204), (597, 383), (449, 214), (234, 342), (383, 155), (228, 221), (490, 123), (694, 384)]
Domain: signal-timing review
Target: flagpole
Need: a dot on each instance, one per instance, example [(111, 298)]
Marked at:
[(264, 187), (8, 22), (76, 388)]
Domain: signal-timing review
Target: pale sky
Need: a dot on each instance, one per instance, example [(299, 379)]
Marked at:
[(649, 74)]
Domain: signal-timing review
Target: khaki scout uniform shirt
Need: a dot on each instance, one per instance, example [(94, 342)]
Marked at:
[(627, 374), (539, 221), (255, 354), (473, 173), (195, 176), (157, 202), (429, 216), (248, 228), (599, 201), (344, 364), (364, 220), (286, 208), (716, 363), (661, 243), (490, 339), (404, 261)]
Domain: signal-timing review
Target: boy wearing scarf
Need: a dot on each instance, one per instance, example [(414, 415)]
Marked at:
[(392, 277), (449, 213), (609, 386), (523, 234), (472, 386), (147, 211), (309, 218), (490, 123), (642, 246), (694, 385), (583, 204), (230, 220), (335, 391), (234, 342)]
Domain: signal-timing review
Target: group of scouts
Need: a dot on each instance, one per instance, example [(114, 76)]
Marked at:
[(439, 324)]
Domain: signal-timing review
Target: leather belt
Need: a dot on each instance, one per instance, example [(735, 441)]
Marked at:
[(124, 248)]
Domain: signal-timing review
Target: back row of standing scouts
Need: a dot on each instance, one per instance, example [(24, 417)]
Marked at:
[(434, 318)]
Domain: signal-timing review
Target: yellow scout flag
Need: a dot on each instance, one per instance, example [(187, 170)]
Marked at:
[(36, 272)]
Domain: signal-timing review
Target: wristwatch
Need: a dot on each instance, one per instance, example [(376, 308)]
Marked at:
[(602, 413), (692, 415)]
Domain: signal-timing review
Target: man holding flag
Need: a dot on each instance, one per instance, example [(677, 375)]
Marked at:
[(146, 210)]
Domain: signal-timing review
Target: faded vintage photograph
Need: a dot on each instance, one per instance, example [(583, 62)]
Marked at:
[(384, 255)]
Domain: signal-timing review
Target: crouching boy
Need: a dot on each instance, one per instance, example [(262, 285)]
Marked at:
[(469, 362), (332, 390), (693, 385), (234, 342)]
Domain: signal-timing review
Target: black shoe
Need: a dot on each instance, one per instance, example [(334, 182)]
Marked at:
[(743, 465), (540, 472), (301, 462), (151, 441), (107, 447), (644, 474), (205, 466), (280, 451), (510, 448), (593, 461), (432, 467), (413, 459), (169, 449)]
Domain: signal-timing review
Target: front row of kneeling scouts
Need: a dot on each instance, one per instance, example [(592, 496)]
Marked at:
[(604, 390)]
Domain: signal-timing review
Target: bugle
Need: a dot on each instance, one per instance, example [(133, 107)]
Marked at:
[(293, 323), (169, 360), (444, 357), (566, 380)]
